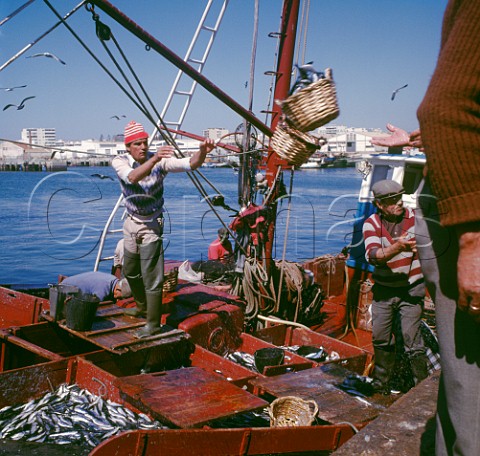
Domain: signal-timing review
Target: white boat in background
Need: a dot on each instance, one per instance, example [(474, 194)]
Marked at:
[(334, 161)]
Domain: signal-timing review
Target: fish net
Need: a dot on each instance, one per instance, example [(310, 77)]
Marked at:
[(314, 105), (292, 411)]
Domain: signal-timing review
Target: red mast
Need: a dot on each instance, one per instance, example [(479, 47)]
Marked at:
[(283, 74), (282, 87)]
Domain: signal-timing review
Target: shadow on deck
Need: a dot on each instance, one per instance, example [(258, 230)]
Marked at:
[(407, 428)]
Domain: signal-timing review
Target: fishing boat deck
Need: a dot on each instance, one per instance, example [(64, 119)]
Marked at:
[(187, 398), (406, 428), (404, 424), (320, 384), (333, 325)]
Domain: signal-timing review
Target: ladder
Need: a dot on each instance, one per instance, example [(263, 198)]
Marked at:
[(177, 96), (178, 99)]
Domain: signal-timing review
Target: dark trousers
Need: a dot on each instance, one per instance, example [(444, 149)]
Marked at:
[(458, 406), (405, 302)]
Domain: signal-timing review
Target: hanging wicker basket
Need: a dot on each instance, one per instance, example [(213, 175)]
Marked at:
[(314, 105), (170, 281), (290, 411), (292, 145)]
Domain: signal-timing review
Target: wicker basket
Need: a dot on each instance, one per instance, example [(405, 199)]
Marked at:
[(314, 105), (290, 411), (170, 281), (292, 145)]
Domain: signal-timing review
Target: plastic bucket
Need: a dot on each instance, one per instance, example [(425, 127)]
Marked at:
[(57, 295), (269, 356), (81, 312)]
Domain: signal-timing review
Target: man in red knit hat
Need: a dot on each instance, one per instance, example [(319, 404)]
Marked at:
[(141, 174)]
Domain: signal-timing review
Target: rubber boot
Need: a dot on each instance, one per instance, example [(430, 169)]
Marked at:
[(419, 367), (151, 264), (384, 364), (154, 315), (132, 271)]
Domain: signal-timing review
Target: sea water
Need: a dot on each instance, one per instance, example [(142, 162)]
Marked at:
[(52, 223)]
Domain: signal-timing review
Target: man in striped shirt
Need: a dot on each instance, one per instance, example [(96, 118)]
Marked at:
[(399, 287), (141, 175)]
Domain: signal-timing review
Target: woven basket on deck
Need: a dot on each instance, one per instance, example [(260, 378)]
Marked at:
[(314, 105), (292, 145), (292, 411), (170, 280)]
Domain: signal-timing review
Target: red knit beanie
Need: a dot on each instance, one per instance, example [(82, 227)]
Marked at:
[(133, 132)]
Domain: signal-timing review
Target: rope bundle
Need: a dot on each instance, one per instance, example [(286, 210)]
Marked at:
[(256, 288)]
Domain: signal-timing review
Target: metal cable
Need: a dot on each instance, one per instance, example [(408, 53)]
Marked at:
[(29, 45), (20, 8), (279, 294), (191, 175)]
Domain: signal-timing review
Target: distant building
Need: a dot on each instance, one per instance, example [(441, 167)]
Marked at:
[(39, 136), (215, 133), (350, 143), (10, 150)]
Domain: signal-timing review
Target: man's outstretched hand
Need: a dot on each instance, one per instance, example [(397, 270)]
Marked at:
[(398, 138)]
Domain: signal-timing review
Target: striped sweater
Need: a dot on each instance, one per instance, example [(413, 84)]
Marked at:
[(144, 200), (403, 269)]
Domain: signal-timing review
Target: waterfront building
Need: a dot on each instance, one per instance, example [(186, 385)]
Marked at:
[(39, 136)]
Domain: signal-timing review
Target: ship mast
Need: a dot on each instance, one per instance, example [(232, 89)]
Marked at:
[(274, 163), (287, 36)]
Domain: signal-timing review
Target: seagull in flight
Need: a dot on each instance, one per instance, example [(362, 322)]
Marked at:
[(10, 89), (47, 54), (101, 176), (395, 91), (118, 117), (20, 106)]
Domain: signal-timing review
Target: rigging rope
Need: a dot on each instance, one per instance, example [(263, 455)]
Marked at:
[(140, 105), (303, 39), (274, 76), (279, 294), (247, 162), (29, 45), (20, 8), (61, 149)]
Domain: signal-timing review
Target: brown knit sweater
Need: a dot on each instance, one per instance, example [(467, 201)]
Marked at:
[(449, 116)]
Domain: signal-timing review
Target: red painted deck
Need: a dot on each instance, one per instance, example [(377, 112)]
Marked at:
[(318, 384), (187, 398)]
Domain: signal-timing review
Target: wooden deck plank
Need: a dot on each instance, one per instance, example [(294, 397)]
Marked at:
[(334, 405), (187, 398), (407, 428), (115, 332)]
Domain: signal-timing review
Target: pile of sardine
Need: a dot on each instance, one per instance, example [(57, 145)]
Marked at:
[(70, 415), (243, 359), (317, 354), (259, 418)]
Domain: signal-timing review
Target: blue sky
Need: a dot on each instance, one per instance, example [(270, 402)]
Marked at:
[(373, 47)]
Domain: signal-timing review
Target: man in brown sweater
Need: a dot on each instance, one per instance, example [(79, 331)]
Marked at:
[(448, 220), (449, 117)]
